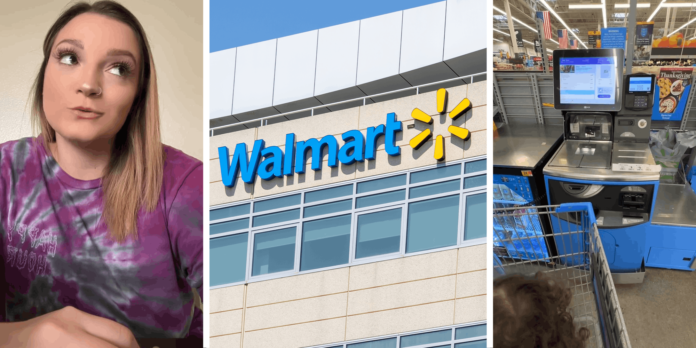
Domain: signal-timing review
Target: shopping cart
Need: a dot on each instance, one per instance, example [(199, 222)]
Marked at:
[(580, 263)]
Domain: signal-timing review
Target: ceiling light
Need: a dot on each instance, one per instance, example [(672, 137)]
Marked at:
[(641, 5), (502, 32), (584, 6), (515, 19), (604, 12), (682, 27), (561, 20), (656, 10), (494, 39), (679, 4)]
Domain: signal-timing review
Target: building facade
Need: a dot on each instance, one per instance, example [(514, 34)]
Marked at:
[(362, 225)]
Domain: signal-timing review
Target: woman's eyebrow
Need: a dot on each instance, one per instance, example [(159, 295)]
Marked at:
[(117, 52), (73, 42)]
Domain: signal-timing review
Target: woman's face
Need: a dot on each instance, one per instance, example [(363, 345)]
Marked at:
[(91, 78)]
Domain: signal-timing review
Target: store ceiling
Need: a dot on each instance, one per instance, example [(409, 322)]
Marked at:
[(584, 20)]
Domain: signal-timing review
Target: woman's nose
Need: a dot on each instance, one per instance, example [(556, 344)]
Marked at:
[(91, 86), (90, 89)]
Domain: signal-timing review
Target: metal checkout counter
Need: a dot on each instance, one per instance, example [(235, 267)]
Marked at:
[(605, 159)]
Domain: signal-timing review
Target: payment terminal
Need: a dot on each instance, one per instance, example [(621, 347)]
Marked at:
[(639, 89)]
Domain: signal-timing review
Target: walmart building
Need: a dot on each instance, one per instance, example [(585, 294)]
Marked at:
[(348, 185)]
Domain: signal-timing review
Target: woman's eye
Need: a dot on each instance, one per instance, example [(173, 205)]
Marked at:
[(119, 70), (68, 59)]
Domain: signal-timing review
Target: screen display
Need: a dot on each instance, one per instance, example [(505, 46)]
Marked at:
[(588, 80), (640, 84)]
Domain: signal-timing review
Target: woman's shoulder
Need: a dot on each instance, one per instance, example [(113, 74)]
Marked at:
[(18, 152), (178, 166), (176, 161)]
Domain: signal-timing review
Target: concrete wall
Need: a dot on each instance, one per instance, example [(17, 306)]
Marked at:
[(395, 296), (175, 32), (338, 122)]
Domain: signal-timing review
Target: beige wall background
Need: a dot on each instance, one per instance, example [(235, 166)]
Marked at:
[(175, 31), (382, 298)]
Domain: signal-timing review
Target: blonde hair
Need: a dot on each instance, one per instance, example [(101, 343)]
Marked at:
[(133, 178)]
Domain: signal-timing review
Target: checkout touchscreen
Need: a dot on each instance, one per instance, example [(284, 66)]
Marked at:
[(587, 80)]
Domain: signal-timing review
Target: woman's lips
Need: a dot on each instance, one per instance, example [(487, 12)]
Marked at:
[(86, 113)]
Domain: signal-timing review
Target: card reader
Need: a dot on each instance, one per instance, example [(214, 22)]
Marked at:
[(639, 89)]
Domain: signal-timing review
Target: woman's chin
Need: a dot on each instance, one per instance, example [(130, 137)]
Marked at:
[(85, 139)]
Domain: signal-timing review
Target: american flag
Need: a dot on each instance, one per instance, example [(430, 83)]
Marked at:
[(574, 44), (544, 15), (563, 38)]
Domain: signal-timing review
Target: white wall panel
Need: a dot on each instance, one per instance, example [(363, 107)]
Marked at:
[(253, 88), (221, 82), (464, 31), (380, 47), (295, 67), (337, 57), (423, 36)]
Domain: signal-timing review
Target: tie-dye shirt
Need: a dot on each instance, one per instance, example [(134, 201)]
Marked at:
[(56, 250)]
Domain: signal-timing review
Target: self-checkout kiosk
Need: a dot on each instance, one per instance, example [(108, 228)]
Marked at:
[(605, 159)]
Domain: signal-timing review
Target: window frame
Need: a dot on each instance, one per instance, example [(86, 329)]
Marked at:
[(452, 342), (355, 213)]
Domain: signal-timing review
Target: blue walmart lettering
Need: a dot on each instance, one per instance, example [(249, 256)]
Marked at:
[(270, 162)]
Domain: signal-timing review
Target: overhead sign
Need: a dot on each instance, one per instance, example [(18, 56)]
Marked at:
[(643, 42), (593, 38), (614, 38), (271, 162)]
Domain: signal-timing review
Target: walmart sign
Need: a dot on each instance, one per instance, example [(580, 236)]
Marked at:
[(271, 162)]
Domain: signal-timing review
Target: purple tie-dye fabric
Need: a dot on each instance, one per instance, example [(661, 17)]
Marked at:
[(56, 249)]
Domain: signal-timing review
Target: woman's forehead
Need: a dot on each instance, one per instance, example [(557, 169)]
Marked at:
[(100, 34)]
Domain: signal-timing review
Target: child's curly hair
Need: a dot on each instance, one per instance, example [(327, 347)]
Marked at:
[(532, 312)]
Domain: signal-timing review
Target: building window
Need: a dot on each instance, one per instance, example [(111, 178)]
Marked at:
[(432, 224), (274, 251), (378, 233), (325, 242), (366, 220), (469, 336), (228, 259)]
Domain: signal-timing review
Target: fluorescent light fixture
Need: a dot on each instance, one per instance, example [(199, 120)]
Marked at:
[(531, 43), (584, 6), (604, 12), (494, 39), (549, 50), (500, 31), (656, 10), (515, 19), (683, 26), (641, 5), (560, 20), (680, 4)]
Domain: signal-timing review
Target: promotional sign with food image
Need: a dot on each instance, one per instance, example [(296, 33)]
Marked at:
[(672, 91)]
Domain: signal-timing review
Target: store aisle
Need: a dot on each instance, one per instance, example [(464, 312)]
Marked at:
[(659, 312)]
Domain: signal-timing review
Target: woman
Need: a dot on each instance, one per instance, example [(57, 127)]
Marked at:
[(100, 224)]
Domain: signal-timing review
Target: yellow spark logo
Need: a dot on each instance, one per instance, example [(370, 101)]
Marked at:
[(422, 137)]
